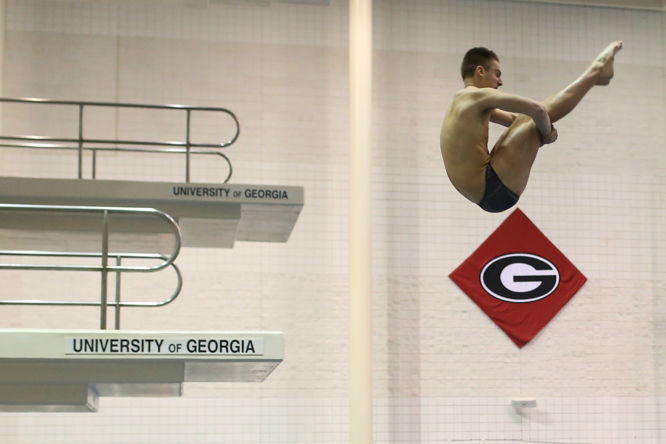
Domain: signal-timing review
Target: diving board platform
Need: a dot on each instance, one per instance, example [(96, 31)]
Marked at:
[(214, 215), (68, 370)]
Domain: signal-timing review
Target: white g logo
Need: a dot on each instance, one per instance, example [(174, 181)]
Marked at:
[(519, 277)]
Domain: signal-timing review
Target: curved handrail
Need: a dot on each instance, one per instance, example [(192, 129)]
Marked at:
[(186, 144), (94, 150), (104, 255), (92, 209), (130, 105), (174, 295), (169, 143)]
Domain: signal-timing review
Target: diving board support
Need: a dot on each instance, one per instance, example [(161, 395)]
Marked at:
[(37, 397), (67, 370)]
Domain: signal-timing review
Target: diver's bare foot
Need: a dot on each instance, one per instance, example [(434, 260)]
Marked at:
[(603, 64)]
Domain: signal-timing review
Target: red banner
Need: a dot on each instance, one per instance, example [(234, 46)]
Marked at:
[(519, 278)]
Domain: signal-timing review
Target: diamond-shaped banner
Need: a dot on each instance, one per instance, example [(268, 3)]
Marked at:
[(519, 278)]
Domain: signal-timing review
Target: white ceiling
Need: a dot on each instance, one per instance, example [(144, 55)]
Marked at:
[(656, 5)]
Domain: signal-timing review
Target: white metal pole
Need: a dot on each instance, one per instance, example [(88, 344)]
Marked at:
[(360, 260)]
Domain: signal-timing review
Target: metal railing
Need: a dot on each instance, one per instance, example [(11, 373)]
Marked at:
[(104, 268), (81, 143)]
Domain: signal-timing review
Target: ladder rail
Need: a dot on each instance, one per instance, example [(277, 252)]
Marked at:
[(36, 141), (104, 269), (94, 209), (95, 149), (162, 303)]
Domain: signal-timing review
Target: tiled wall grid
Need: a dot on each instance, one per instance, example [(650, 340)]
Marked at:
[(443, 371)]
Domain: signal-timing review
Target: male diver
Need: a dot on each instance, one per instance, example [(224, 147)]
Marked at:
[(495, 180)]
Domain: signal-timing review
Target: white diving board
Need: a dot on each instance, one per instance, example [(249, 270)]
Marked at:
[(208, 214), (68, 370)]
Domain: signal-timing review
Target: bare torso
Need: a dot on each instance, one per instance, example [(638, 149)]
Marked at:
[(464, 143)]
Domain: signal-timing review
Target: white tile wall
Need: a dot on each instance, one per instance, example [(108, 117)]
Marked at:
[(443, 371)]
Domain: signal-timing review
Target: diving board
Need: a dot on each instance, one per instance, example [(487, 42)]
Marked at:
[(68, 370), (209, 214)]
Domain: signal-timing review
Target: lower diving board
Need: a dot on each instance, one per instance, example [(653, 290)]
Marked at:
[(68, 370)]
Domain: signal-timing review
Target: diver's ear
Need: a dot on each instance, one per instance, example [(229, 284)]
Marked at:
[(480, 69)]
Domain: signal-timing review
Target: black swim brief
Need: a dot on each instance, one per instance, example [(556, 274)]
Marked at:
[(497, 196)]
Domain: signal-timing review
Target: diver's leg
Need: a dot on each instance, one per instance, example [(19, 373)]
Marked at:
[(599, 72), (514, 153)]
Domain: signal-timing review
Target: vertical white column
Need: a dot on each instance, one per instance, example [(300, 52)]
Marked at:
[(360, 260), (2, 57)]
